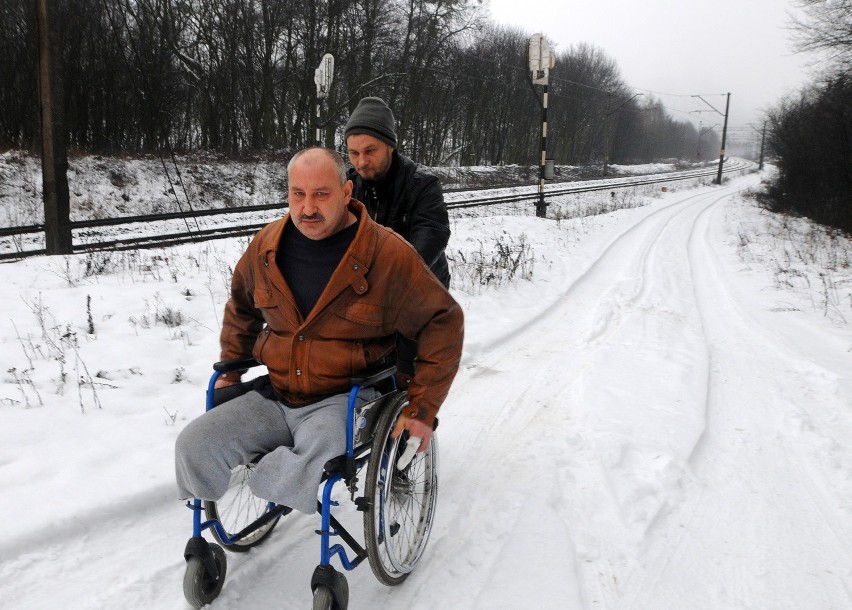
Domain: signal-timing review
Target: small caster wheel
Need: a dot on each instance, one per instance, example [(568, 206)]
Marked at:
[(331, 591), (200, 587), (323, 598)]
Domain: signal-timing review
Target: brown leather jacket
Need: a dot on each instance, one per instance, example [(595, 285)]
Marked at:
[(380, 287)]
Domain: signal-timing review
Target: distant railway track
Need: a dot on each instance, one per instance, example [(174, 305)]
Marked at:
[(161, 230), (734, 165)]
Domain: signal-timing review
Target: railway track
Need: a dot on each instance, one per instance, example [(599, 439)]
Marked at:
[(161, 230)]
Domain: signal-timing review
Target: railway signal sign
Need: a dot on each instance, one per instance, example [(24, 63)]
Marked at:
[(542, 59), (323, 76)]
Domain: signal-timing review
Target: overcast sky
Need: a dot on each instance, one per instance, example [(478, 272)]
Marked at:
[(677, 48)]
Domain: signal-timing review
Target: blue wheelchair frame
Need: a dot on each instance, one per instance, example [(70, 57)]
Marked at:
[(343, 467)]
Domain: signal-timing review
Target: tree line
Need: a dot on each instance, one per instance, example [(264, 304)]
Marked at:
[(237, 76), (810, 133)]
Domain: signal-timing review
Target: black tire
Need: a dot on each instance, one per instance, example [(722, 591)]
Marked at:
[(401, 507), (199, 586), (331, 590), (323, 599), (239, 508)]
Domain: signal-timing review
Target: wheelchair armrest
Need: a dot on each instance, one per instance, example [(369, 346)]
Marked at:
[(373, 376), (240, 364)]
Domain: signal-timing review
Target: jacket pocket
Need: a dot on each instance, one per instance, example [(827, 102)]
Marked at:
[(355, 323), (269, 309), (257, 351), (363, 314)]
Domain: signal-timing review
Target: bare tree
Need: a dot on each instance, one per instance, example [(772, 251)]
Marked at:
[(17, 73), (826, 27), (811, 138), (238, 75)]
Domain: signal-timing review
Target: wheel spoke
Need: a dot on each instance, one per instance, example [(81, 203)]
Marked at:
[(238, 509)]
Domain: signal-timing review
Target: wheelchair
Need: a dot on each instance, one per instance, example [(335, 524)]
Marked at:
[(398, 500)]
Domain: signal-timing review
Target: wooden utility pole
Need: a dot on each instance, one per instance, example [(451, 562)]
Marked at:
[(724, 135), (724, 131), (607, 137), (54, 159)]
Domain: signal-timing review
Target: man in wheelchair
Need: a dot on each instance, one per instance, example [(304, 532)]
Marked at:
[(318, 298)]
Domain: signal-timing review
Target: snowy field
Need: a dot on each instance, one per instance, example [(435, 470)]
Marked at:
[(653, 412)]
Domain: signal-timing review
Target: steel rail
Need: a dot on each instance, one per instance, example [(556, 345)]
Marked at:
[(171, 239), (601, 185)]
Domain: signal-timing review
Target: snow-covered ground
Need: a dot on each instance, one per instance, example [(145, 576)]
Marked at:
[(653, 412)]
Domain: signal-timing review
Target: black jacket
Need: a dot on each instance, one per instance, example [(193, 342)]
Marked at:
[(409, 200)]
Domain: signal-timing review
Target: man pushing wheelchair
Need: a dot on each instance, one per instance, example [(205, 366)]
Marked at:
[(318, 298)]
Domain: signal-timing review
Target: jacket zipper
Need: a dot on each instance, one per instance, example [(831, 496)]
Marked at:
[(376, 200)]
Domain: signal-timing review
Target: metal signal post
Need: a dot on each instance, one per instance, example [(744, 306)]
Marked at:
[(542, 60), (541, 207)]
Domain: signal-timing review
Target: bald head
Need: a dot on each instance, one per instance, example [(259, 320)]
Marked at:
[(318, 193), (319, 154)]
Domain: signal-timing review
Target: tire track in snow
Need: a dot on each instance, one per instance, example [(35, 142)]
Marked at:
[(88, 548), (537, 414), (145, 535), (602, 260), (751, 496), (642, 471)]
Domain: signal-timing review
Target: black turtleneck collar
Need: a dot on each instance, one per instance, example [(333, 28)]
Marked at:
[(308, 264)]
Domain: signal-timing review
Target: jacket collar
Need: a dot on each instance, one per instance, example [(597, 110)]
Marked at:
[(352, 271)]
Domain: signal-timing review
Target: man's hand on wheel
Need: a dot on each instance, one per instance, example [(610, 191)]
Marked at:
[(415, 427)]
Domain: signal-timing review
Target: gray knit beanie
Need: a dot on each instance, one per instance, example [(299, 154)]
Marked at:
[(372, 117)]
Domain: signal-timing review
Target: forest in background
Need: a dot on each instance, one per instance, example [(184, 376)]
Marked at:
[(237, 77), (810, 133)]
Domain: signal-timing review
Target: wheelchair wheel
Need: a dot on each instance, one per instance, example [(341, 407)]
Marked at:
[(199, 586), (238, 509), (401, 507)]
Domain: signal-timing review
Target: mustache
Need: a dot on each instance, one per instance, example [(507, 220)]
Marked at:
[(316, 216)]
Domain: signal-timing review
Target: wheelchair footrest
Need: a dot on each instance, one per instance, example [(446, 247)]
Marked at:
[(279, 511)]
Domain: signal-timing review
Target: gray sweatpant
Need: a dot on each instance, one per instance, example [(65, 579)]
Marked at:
[(297, 443)]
